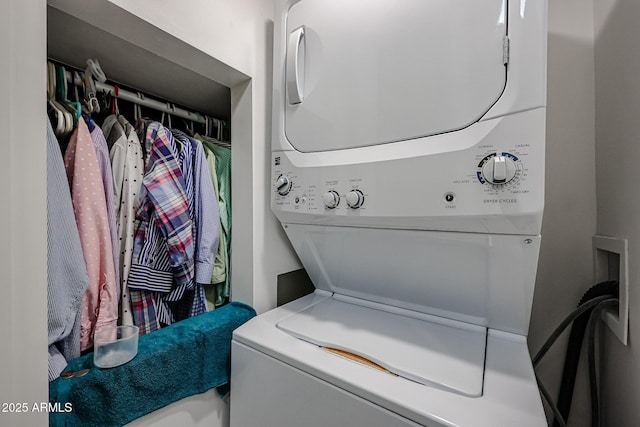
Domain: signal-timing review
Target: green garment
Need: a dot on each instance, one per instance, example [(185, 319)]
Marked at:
[(219, 160), (220, 265), (221, 261)]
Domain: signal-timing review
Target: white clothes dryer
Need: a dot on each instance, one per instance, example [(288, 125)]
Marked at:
[(408, 170)]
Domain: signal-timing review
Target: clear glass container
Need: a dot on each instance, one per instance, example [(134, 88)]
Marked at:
[(115, 346)]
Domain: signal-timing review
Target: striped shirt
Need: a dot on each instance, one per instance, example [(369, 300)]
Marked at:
[(163, 249), (66, 270), (206, 220)]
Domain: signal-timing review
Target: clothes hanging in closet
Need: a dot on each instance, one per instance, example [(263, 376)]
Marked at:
[(146, 217), (66, 272), (106, 173), (220, 157), (220, 265), (100, 304), (163, 274), (205, 217), (163, 248), (128, 169)]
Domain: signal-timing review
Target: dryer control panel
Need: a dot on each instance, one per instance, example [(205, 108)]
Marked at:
[(500, 177), (294, 192), (493, 186)]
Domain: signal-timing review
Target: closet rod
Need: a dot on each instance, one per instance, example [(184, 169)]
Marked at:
[(145, 102)]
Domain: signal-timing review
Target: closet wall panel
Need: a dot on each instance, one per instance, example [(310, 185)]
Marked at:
[(72, 41), (23, 252)]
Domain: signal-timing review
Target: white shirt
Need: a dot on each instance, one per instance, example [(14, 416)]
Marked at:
[(128, 169)]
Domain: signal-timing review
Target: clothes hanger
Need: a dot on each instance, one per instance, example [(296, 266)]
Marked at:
[(137, 113), (220, 140), (115, 109), (137, 108), (73, 107), (65, 126), (60, 97), (59, 125), (193, 129), (77, 100), (142, 98), (170, 107), (58, 116), (67, 118), (93, 70), (62, 91), (106, 99)]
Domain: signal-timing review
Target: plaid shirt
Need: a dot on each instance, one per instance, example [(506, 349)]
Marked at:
[(181, 298), (163, 250)]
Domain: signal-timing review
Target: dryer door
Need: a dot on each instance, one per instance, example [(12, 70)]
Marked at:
[(362, 73)]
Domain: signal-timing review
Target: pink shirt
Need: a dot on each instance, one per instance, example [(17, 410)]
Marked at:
[(100, 303)]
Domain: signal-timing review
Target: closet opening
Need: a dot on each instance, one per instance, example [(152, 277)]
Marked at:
[(139, 58)]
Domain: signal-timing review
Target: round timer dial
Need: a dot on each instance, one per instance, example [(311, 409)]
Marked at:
[(498, 170), (283, 185)]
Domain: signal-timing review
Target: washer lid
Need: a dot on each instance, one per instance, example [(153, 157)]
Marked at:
[(362, 73), (437, 352)]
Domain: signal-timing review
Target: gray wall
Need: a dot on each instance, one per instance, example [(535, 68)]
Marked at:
[(593, 147), (23, 254), (617, 84), (565, 268)]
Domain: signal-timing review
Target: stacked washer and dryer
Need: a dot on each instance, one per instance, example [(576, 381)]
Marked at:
[(408, 171)]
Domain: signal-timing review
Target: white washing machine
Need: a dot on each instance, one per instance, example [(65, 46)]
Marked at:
[(408, 170)]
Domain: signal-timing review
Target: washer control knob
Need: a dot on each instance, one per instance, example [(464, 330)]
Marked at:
[(355, 199), (331, 199), (499, 170), (283, 185)]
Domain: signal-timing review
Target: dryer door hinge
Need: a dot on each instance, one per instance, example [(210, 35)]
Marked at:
[(505, 50)]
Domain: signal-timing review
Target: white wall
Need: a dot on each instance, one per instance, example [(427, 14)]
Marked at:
[(565, 269), (618, 152), (23, 252)]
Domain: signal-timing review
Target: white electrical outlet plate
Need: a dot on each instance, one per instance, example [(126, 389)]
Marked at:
[(611, 263)]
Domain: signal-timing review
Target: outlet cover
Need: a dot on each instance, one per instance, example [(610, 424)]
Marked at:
[(611, 263)]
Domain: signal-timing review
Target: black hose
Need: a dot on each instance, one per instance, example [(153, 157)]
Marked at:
[(583, 308), (574, 346), (591, 353), (552, 405)]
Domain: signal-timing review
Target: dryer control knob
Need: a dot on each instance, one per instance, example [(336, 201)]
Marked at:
[(499, 170), (355, 199), (283, 185), (331, 199)]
